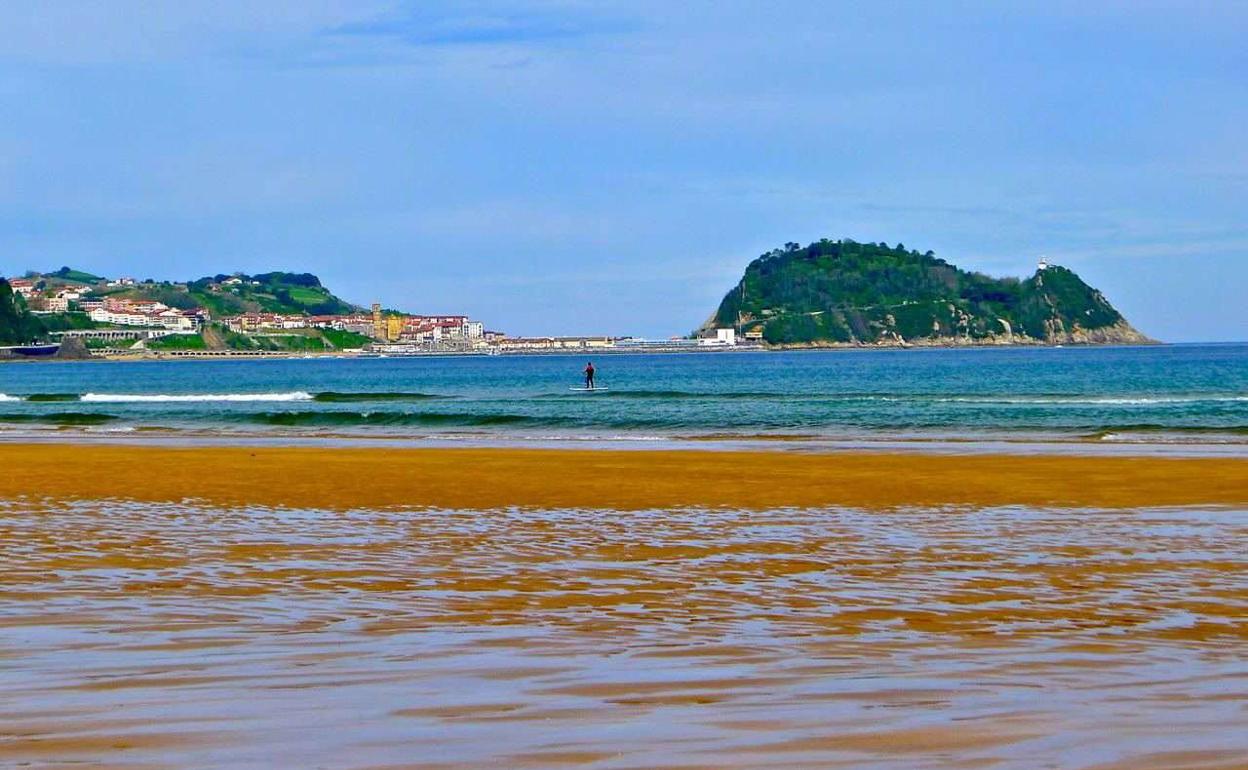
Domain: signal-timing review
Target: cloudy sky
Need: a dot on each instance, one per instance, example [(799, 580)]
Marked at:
[(600, 167)]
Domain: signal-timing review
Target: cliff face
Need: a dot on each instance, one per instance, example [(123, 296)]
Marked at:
[(843, 292)]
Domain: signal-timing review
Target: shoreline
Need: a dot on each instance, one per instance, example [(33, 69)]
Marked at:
[(926, 345), (340, 478), (1019, 445)]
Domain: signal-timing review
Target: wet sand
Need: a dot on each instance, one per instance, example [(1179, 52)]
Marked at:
[(487, 478), (507, 608)]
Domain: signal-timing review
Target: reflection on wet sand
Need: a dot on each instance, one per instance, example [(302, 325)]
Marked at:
[(158, 634)]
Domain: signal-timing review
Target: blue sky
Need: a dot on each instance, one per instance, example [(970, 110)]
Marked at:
[(599, 167)]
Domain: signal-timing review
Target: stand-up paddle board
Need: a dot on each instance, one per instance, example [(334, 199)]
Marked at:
[(589, 390)]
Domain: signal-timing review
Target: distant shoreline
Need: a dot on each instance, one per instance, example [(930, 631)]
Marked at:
[(244, 355)]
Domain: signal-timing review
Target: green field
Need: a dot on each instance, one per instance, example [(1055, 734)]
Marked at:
[(177, 342), (342, 339)]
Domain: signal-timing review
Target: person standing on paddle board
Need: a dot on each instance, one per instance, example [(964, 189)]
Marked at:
[(589, 376)]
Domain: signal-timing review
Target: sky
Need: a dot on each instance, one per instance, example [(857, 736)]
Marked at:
[(611, 167)]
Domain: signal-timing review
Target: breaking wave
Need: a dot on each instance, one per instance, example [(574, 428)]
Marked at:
[(160, 398), (191, 398), (1111, 431)]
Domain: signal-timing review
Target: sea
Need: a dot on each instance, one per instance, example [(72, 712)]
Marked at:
[(1187, 396)]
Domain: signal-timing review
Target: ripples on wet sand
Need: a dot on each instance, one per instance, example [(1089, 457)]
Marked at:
[(144, 634)]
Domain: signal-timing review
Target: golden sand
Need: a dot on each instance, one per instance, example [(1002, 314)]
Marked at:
[(350, 608), (337, 478)]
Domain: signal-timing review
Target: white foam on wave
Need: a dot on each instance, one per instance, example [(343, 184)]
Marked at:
[(4, 398), (163, 398)]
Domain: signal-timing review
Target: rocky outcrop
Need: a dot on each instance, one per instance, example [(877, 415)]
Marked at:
[(72, 349), (1121, 333)]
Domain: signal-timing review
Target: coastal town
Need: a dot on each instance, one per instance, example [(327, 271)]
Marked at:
[(124, 317)]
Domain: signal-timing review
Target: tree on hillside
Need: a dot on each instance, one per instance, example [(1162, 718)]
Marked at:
[(17, 325)]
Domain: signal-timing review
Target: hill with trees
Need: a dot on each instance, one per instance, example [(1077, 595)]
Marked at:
[(221, 295), (861, 293), (276, 292)]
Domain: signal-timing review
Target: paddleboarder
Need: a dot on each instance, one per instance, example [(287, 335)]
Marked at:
[(589, 376)]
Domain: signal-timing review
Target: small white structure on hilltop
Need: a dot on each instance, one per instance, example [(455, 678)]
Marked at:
[(1043, 264)]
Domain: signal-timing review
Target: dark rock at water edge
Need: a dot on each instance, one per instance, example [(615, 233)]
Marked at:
[(73, 349)]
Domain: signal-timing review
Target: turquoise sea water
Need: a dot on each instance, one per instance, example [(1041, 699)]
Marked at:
[(1175, 394)]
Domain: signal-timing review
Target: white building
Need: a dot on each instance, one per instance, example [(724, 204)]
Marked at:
[(176, 320), (723, 338), (168, 318)]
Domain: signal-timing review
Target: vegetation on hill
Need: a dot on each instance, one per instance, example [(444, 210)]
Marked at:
[(59, 322), (177, 342), (76, 276), (345, 339), (17, 324), (217, 336), (848, 292), (277, 292), (221, 295)]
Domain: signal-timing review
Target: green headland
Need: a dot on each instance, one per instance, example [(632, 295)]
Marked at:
[(844, 292)]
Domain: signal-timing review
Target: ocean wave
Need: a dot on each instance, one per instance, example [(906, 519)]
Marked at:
[(1111, 432), (465, 419), (61, 418), (429, 419), (174, 398), (1093, 400), (677, 394), (346, 397), (161, 398), (920, 398), (338, 397)]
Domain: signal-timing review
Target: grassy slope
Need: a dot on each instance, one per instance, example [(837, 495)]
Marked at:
[(75, 276)]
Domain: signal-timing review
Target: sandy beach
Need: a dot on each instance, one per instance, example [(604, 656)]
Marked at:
[(355, 607), (338, 478)]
